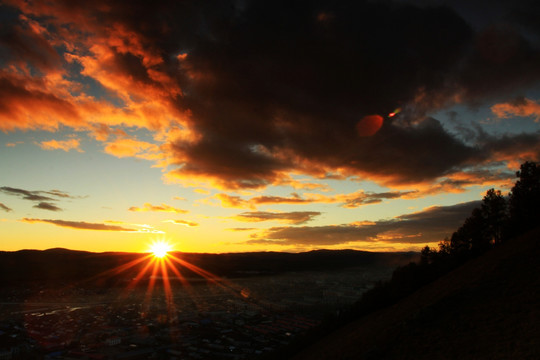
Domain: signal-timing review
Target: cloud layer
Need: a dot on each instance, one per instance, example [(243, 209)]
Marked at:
[(41, 198), (427, 226), (241, 95), (46, 206), (80, 225), (66, 145), (5, 207), (294, 217), (183, 222), (158, 208)]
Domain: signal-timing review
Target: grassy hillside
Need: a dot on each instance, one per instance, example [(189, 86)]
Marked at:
[(488, 308)]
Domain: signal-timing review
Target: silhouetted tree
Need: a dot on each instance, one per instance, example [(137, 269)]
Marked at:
[(495, 214), (430, 256), (524, 200), (470, 237), (445, 247), (482, 229), (425, 255)]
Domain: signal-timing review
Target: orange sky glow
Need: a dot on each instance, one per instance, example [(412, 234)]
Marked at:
[(255, 126)]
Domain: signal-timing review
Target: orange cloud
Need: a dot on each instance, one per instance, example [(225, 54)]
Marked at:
[(121, 62), (29, 103), (120, 59), (238, 202), (229, 201), (182, 222), (101, 132), (158, 208), (224, 179), (65, 145), (352, 200), (202, 191), (519, 107), (293, 199), (125, 147), (296, 184)]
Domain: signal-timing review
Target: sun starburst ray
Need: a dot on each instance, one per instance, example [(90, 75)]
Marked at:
[(214, 279), (167, 287), (186, 285), (178, 274), (140, 275), (107, 274), (151, 282), (206, 274)]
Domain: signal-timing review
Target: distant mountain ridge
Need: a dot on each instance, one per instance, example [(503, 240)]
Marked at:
[(62, 250), (60, 264)]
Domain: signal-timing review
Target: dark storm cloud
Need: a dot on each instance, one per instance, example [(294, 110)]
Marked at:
[(283, 87), (272, 87), (81, 225), (47, 206), (286, 79), (502, 61), (430, 225)]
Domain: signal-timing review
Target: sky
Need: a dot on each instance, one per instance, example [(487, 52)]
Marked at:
[(238, 126)]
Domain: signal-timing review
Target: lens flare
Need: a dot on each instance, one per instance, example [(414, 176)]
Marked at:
[(369, 125), (395, 112)]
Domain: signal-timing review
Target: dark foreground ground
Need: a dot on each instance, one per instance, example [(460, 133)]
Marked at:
[(241, 318), (487, 309)]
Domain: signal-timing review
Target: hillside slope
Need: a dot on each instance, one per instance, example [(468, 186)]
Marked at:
[(487, 309)]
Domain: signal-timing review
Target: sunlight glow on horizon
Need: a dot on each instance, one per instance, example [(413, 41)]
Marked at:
[(160, 248), (152, 268)]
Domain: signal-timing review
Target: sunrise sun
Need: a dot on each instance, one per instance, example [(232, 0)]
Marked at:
[(160, 248)]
